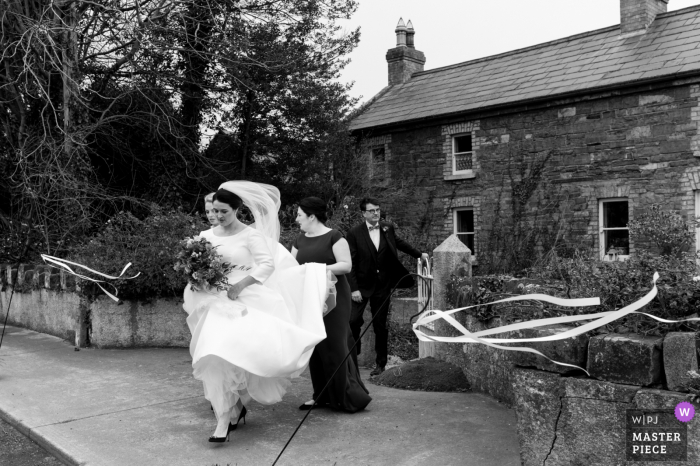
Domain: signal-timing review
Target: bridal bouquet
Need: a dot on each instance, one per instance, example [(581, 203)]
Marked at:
[(198, 260)]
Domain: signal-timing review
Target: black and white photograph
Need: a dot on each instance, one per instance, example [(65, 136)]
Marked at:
[(349, 233)]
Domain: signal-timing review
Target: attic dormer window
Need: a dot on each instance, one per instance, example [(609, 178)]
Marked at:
[(462, 154)]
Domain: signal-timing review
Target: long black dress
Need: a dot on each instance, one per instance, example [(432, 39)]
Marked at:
[(346, 391)]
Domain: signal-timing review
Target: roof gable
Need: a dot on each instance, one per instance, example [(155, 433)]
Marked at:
[(583, 62)]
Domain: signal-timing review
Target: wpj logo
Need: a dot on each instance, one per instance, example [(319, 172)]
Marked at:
[(656, 435)]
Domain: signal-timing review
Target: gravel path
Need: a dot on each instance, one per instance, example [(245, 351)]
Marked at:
[(18, 450)]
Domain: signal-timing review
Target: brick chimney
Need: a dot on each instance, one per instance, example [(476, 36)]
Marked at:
[(404, 59), (637, 15)]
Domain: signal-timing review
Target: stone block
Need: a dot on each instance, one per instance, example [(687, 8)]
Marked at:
[(488, 370), (537, 405), (591, 425), (586, 388), (569, 351), (680, 355), (662, 399), (627, 359)]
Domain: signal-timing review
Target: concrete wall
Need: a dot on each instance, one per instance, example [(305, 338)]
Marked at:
[(50, 301), (102, 322), (46, 301), (161, 322), (48, 311)]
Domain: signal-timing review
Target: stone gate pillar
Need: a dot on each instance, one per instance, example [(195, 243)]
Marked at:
[(452, 257)]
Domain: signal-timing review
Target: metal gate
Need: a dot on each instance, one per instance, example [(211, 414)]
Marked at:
[(424, 287)]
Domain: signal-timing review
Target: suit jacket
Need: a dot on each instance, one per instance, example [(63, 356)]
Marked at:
[(364, 276)]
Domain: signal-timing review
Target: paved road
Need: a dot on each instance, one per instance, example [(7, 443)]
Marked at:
[(142, 407)]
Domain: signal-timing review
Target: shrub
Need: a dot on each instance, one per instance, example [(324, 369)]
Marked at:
[(149, 244), (464, 291), (668, 231), (621, 283)]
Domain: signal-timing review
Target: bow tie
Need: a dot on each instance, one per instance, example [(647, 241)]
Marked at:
[(375, 227)]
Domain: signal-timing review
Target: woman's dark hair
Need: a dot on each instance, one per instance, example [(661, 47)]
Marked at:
[(227, 197), (368, 200), (314, 206)]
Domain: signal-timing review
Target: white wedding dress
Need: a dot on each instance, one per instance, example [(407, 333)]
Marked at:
[(250, 347)]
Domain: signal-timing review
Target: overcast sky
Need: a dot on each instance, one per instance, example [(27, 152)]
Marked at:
[(454, 31)]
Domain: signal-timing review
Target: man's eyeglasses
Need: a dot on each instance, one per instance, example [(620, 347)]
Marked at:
[(373, 211)]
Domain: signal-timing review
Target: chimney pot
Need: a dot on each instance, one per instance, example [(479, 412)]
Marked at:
[(410, 32), (637, 15), (400, 33)]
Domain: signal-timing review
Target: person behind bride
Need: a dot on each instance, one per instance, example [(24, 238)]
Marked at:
[(321, 244), (209, 210), (250, 339)]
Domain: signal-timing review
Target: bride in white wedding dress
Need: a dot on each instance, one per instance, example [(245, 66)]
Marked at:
[(248, 341)]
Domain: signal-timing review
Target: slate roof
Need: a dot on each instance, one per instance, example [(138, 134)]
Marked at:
[(597, 59)]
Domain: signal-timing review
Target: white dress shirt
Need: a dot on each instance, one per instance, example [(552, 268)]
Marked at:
[(374, 235)]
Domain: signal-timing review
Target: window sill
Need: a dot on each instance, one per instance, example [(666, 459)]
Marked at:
[(461, 176), (620, 258)]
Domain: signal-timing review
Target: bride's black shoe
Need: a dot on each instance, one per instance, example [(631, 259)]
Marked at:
[(231, 428), (242, 415)]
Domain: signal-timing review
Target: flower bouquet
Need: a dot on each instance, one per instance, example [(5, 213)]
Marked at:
[(203, 267)]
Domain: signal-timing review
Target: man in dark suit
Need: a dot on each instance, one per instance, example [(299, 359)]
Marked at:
[(376, 269)]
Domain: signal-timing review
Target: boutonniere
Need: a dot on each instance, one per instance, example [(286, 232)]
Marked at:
[(384, 229)]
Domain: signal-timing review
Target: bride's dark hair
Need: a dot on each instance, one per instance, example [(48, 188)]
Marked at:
[(314, 206), (227, 197)]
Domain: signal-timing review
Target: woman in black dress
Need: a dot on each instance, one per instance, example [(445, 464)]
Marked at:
[(323, 245)]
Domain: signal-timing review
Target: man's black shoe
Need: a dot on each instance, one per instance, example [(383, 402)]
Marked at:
[(377, 370)]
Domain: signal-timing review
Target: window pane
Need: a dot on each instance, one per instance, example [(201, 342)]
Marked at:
[(615, 214), (378, 154), (469, 241), (465, 221), (617, 240), (463, 143)]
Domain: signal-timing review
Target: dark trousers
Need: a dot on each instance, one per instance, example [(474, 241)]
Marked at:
[(381, 331)]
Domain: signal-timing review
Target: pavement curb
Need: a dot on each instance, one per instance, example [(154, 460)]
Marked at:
[(61, 454)]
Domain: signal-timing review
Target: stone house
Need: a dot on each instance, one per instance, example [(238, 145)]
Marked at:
[(560, 143)]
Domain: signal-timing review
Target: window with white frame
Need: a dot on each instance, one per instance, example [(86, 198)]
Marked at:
[(462, 154), (377, 163), (613, 215), (464, 226)]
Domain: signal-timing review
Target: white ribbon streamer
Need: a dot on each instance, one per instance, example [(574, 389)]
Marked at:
[(57, 262), (601, 318)]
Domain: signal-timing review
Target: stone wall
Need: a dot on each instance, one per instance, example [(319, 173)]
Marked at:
[(642, 144), (578, 421), (567, 418)]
